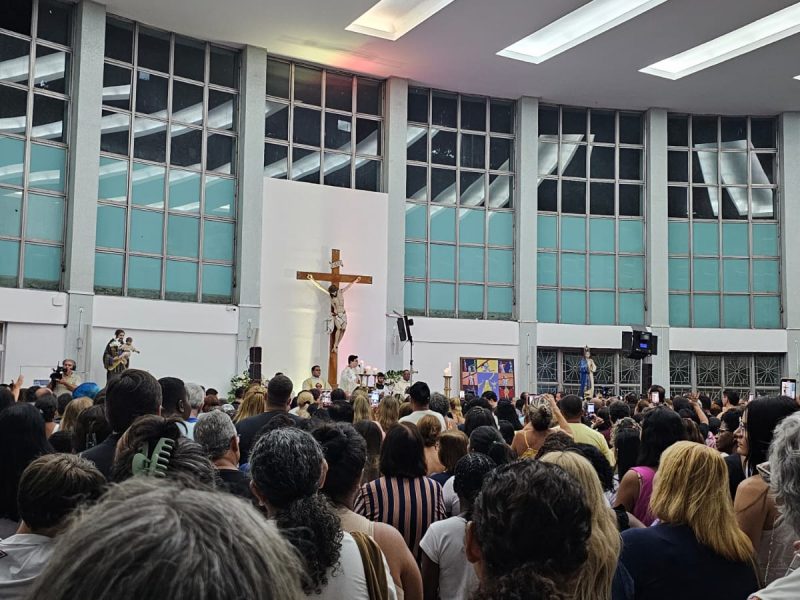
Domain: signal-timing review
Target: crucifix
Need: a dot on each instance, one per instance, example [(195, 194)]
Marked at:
[(336, 297)]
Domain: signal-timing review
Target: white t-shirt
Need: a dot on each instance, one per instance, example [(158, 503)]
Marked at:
[(347, 581), (444, 545), (785, 588), (452, 505), (415, 417), (22, 558)]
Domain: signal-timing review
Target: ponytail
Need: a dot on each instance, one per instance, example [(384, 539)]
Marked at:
[(501, 453)]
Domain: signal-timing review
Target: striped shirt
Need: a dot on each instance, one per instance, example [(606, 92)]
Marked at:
[(409, 505)]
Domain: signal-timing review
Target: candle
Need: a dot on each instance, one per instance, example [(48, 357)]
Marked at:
[(375, 370), (447, 371)]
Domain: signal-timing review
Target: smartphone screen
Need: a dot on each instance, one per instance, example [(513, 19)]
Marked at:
[(590, 408), (374, 398), (654, 398), (326, 399), (789, 388), (751, 398), (461, 394)]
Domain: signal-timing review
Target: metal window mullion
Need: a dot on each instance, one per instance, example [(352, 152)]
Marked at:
[(131, 140), (203, 160), (323, 102), (353, 122), (457, 266), (167, 169), (428, 145), (290, 140)]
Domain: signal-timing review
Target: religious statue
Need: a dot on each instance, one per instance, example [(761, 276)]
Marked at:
[(587, 370), (338, 312)]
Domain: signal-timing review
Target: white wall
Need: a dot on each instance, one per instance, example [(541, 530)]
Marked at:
[(302, 223)]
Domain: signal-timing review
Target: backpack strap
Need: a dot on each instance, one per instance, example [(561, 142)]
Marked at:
[(374, 571)]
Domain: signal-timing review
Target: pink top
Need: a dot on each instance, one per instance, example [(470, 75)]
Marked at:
[(641, 510)]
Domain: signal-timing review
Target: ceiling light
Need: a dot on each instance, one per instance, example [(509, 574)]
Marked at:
[(752, 36), (580, 25), (392, 19)]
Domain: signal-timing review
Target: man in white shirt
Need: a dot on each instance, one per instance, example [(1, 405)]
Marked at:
[(348, 380), (420, 395), (401, 387), (316, 380)]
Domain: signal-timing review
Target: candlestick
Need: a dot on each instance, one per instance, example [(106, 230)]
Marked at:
[(448, 379)]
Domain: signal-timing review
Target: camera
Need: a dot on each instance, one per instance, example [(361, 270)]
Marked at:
[(57, 374)]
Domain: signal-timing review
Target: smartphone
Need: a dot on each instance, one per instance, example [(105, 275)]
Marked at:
[(461, 394), (590, 408), (326, 399), (374, 398), (751, 398), (789, 388), (655, 398)]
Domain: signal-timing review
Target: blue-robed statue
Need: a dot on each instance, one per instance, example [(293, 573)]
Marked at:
[(587, 369)]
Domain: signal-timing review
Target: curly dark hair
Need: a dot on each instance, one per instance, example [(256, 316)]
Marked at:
[(519, 502), (600, 463), (345, 451), (286, 466), (557, 441)]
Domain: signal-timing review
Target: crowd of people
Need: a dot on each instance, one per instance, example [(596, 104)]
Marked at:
[(153, 488)]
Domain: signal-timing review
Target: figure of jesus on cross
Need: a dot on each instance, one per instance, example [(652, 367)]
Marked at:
[(338, 312)]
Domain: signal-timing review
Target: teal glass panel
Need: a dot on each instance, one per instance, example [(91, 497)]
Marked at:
[(735, 239), (148, 185), (470, 301), (678, 237), (501, 266), (679, 274), (573, 270), (547, 268), (220, 196), (110, 227), (705, 239), (501, 300), (501, 228), (443, 224), (48, 168), (736, 312), (146, 231), (181, 281), (470, 264), (631, 309), (415, 297), (765, 276), (218, 240), (631, 272), (547, 231), (736, 275), (415, 260), (9, 263), (601, 308), (108, 273), (573, 233), (679, 310), (144, 277), (113, 181), (470, 226), (546, 308), (601, 271), (184, 191), (12, 155), (45, 218), (443, 262), (416, 217), (183, 236), (706, 310), (767, 312), (573, 307), (10, 212), (442, 299), (42, 267), (706, 274), (601, 235), (217, 284), (765, 239), (631, 236)]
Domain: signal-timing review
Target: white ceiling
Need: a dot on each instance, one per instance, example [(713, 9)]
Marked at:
[(456, 49)]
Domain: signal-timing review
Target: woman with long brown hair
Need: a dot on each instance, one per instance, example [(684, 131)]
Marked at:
[(388, 412)]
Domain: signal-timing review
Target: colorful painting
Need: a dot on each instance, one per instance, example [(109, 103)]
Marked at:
[(479, 375)]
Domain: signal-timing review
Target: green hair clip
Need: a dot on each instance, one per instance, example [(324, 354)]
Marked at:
[(155, 464)]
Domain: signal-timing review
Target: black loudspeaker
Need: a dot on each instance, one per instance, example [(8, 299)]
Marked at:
[(255, 354), (401, 329), (647, 376), (639, 344), (254, 370)]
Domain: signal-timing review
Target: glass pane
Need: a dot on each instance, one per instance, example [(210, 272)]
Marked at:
[(54, 22), (573, 160), (50, 69), (368, 96), (501, 300), (10, 212), (443, 262), (277, 78), (144, 277), (501, 228), (13, 110), (547, 269), (338, 132), (501, 116), (307, 85), (45, 218), (470, 264), (601, 271), (573, 197), (150, 140), (415, 260), (470, 301), (183, 236), (501, 154), (416, 221), (546, 306), (677, 166), (704, 168), (573, 233), (548, 120), (706, 274), (217, 283), (184, 191), (417, 105), (547, 231), (473, 151), (630, 200), (765, 276), (218, 240), (631, 236), (339, 92), (148, 185), (42, 267), (678, 237), (220, 153), (337, 169), (444, 109), (14, 56), (733, 129), (763, 133), (276, 161), (631, 272), (573, 270), (443, 147), (119, 40), (151, 94), (414, 297), (305, 165), (49, 116), (306, 126), (146, 231), (187, 103), (705, 238), (548, 158), (734, 239), (601, 308), (417, 144), (443, 224), (114, 133), (221, 110), (190, 59), (501, 191), (765, 239), (154, 50), (181, 281), (679, 274), (677, 198), (116, 86), (368, 137), (223, 67), (573, 121), (706, 311), (603, 128), (547, 195), (573, 307), (764, 203), (705, 203), (473, 189), (48, 167), (733, 169), (443, 186), (679, 310), (442, 299), (108, 273), (630, 128), (601, 235), (601, 198), (631, 309), (762, 167), (630, 164), (12, 153), (471, 229), (501, 266), (767, 312), (9, 263), (704, 131), (602, 162), (110, 227), (736, 312), (416, 183), (368, 175), (473, 113)]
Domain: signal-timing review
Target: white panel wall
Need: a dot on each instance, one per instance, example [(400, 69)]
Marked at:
[(302, 223), (33, 349)]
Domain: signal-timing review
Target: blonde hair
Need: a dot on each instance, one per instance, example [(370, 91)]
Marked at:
[(691, 488), (71, 412), (361, 408), (455, 409), (595, 577), (430, 428), (388, 412), (304, 398), (254, 403)]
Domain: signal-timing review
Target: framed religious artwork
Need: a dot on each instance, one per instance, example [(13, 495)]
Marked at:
[(479, 375)]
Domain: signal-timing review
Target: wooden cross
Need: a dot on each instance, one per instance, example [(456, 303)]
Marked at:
[(337, 278)]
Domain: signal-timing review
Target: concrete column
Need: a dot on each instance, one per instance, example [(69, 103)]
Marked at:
[(394, 182), (249, 222), (789, 153), (84, 165), (525, 244), (657, 238)]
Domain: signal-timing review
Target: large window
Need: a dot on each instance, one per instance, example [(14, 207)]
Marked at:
[(590, 263), (724, 269), (459, 255), (559, 370), (166, 212), (35, 58), (322, 126), (711, 373)]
